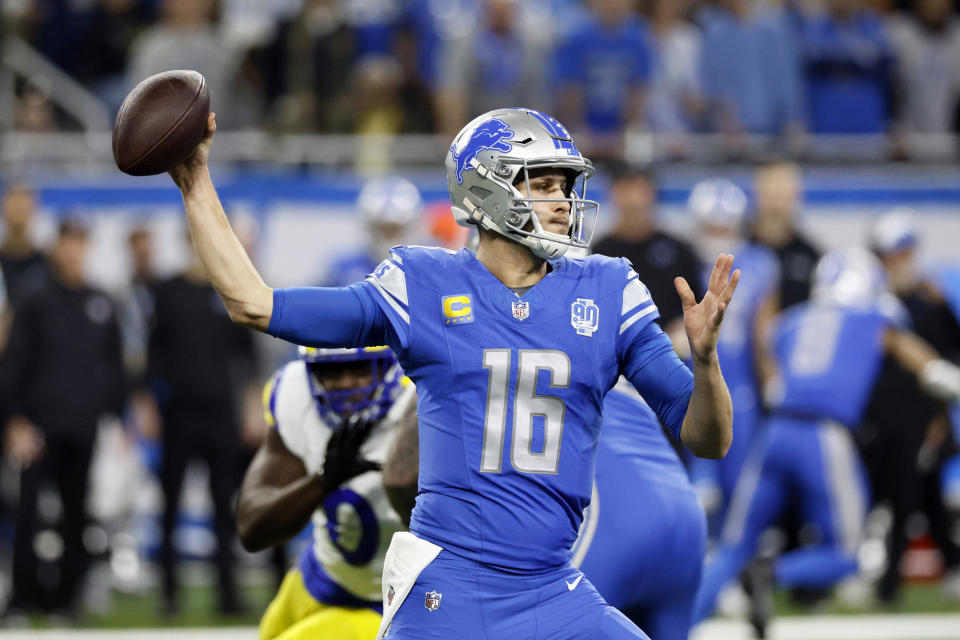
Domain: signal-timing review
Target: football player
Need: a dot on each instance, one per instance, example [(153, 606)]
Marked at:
[(389, 206), (719, 209), (333, 414), (828, 352), (512, 351)]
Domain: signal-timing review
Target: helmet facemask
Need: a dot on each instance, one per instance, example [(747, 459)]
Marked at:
[(356, 404)]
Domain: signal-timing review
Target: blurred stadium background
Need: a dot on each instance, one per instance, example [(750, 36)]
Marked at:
[(313, 97)]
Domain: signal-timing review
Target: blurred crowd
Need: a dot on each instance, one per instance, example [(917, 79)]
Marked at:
[(780, 68)]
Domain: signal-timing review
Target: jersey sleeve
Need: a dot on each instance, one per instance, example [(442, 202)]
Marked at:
[(637, 308), (666, 384), (387, 286), (329, 317)]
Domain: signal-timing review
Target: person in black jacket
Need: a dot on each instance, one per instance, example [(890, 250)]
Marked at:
[(61, 371), (777, 189), (906, 435), (656, 256), (197, 363)]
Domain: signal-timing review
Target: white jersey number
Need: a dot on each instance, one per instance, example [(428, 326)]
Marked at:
[(527, 404)]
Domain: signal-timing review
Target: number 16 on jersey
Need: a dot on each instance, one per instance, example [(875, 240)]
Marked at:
[(527, 404)]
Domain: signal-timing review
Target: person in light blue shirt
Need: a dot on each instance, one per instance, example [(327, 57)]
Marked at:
[(601, 69), (750, 70)]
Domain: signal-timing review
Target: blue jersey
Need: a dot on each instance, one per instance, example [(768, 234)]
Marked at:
[(735, 347), (605, 63), (631, 432), (510, 393), (348, 269), (829, 357)]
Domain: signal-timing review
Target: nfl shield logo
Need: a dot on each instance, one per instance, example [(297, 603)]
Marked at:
[(521, 309), (390, 595), (432, 601)]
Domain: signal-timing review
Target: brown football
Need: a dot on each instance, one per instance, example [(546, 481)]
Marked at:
[(161, 122)]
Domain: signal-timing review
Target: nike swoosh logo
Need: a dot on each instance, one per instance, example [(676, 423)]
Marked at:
[(573, 585)]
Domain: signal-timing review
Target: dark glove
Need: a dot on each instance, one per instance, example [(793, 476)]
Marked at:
[(343, 460)]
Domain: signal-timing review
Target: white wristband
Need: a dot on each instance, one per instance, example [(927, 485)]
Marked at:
[(941, 379)]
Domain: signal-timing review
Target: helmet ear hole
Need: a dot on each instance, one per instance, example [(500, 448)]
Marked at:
[(480, 192)]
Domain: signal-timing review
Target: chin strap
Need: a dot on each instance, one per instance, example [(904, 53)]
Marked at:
[(941, 379)]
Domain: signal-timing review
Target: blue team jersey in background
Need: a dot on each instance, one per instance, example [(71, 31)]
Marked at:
[(605, 63), (510, 394), (829, 357), (735, 347)]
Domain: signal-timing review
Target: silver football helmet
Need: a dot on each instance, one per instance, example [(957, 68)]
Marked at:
[(496, 151), (850, 277)]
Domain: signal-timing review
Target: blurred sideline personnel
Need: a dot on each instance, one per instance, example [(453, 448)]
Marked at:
[(61, 372), (197, 360), (656, 256), (642, 495), (777, 189), (828, 353), (389, 207), (333, 415), (23, 265), (493, 341), (719, 209), (909, 431)]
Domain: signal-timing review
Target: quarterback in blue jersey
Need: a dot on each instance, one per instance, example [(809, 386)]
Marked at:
[(828, 352), (512, 352), (719, 207)]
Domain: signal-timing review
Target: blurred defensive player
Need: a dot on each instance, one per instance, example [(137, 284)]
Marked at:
[(333, 413), (644, 534), (389, 207), (512, 351), (828, 352), (719, 208)]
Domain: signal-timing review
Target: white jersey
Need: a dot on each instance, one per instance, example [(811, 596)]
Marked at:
[(353, 527)]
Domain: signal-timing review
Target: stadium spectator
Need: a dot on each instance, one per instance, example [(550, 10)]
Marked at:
[(307, 68), (197, 363), (136, 301), (657, 257), (185, 38), (927, 47), (777, 188), (110, 30), (675, 103), (475, 76), (847, 62), (910, 434), (23, 265), (601, 71), (61, 371), (750, 70)]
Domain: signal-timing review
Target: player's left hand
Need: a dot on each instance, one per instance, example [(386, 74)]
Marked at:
[(702, 320)]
